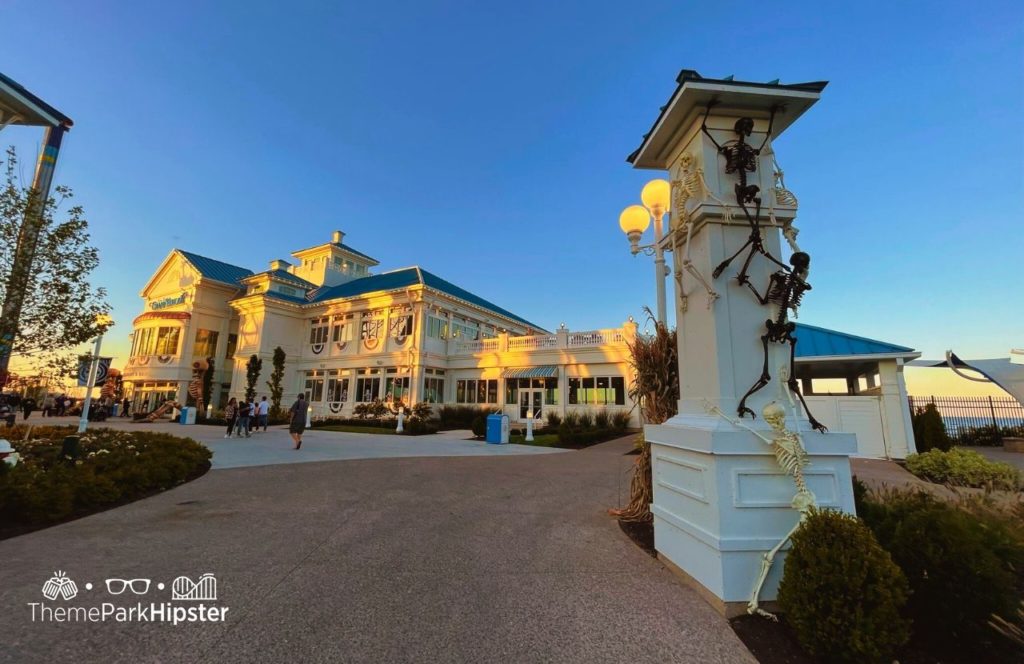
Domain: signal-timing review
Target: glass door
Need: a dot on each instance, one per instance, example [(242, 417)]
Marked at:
[(531, 401)]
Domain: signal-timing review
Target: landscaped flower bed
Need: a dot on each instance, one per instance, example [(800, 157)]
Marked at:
[(111, 468)]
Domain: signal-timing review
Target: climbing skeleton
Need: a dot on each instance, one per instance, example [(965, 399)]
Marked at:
[(741, 158), (791, 456), (690, 186), (786, 289)]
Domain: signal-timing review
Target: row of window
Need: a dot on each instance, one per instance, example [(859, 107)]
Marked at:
[(476, 391), (156, 341), (597, 390)]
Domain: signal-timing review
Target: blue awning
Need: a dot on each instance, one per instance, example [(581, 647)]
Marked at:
[(532, 372)]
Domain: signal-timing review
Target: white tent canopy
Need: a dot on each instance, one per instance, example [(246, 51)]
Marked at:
[(1007, 372)]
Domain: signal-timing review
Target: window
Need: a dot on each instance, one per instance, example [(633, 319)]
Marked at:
[(157, 341), (401, 326), (476, 391), (600, 390), (396, 388), (318, 331), (287, 290), (433, 389), (315, 385), (206, 344), (371, 328), (368, 385), (437, 328), (232, 345), (342, 330), (464, 330), (337, 389)]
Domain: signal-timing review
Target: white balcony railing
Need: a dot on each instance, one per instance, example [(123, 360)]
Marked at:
[(540, 342), (534, 342)]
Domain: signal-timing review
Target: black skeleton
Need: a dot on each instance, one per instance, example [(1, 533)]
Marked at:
[(786, 289), (741, 158)]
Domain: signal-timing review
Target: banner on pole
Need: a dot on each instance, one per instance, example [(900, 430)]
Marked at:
[(101, 371)]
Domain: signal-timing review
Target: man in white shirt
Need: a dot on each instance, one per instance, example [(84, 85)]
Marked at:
[(264, 413)]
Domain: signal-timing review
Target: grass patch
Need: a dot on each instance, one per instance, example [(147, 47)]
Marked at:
[(539, 440), (352, 428)]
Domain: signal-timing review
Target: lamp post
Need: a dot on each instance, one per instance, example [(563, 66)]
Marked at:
[(104, 322), (635, 219)]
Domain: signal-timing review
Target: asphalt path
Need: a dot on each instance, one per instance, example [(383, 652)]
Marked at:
[(495, 557)]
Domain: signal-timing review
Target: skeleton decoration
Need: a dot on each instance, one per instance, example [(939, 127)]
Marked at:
[(690, 186), (792, 458), (783, 196), (741, 158), (195, 386), (786, 289), (787, 285)]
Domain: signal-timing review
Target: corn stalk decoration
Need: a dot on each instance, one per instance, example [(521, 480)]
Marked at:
[(655, 389)]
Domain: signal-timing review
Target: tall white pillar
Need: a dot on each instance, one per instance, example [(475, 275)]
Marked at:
[(720, 498)]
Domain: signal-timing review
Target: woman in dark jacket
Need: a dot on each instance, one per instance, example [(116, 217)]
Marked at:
[(298, 423), (230, 412)]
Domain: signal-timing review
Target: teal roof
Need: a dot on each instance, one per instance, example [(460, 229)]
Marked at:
[(216, 270), (404, 278), (283, 275), (815, 341)]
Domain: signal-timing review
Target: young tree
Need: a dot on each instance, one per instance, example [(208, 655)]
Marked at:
[(252, 374), (61, 308), (207, 384), (276, 389)]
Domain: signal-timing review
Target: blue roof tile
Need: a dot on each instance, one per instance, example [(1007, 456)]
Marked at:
[(405, 278), (821, 342), (216, 270), (284, 275)]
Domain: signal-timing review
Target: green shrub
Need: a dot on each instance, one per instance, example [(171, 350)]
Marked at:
[(586, 420), (420, 427), (479, 426), (960, 467), (601, 419), (620, 420), (112, 467), (841, 591), (964, 564), (458, 417), (987, 436), (422, 411), (571, 420), (929, 429), (554, 419)]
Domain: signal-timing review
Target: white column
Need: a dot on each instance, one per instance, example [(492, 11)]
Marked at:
[(720, 498), (899, 431)]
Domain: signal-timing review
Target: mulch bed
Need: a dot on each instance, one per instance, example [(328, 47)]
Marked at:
[(770, 642), (642, 534)]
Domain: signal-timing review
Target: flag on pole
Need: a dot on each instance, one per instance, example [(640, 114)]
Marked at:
[(101, 371)]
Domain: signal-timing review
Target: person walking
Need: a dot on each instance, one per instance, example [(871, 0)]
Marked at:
[(252, 421), (242, 423), (230, 412), (48, 406), (125, 407), (28, 404), (298, 416), (264, 414)]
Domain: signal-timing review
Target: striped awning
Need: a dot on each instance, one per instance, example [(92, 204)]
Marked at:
[(532, 372)]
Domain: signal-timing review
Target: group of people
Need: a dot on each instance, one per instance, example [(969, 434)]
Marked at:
[(244, 417), (52, 406)]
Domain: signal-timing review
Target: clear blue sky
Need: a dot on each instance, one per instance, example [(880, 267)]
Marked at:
[(487, 143)]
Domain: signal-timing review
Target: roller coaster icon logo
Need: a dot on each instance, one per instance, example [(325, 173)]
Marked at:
[(205, 589)]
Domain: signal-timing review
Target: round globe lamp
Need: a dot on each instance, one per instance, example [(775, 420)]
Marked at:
[(633, 221), (657, 195)]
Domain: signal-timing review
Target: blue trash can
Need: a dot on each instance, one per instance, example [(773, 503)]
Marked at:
[(497, 429)]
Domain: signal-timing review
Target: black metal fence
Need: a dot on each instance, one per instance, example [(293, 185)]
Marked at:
[(976, 420)]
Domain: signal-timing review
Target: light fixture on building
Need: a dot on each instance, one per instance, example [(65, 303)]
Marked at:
[(635, 219)]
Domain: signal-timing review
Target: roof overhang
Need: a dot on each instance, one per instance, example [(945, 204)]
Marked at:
[(873, 357), (745, 98), (18, 106)]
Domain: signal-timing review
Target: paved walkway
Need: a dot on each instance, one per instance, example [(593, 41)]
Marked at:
[(275, 445), (441, 559)]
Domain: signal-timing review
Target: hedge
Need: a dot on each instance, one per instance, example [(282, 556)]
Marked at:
[(112, 467)]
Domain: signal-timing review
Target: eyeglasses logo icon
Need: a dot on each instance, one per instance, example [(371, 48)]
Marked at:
[(118, 586)]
